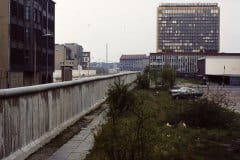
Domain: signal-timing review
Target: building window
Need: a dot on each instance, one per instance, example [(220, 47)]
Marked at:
[(27, 12), (27, 35), (35, 15)]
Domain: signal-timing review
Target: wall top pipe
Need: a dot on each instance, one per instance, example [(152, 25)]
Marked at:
[(12, 92)]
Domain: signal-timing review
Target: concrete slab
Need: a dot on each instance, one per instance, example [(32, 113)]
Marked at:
[(74, 156), (79, 146)]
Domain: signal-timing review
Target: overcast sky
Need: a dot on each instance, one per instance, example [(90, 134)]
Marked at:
[(129, 26)]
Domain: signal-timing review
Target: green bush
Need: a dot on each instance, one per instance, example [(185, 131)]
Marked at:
[(202, 113), (143, 81)]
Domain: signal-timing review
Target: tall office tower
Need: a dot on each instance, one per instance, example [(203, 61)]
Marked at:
[(26, 42), (188, 27)]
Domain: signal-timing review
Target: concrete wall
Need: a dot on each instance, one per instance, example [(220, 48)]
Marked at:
[(31, 116), (66, 74), (76, 74), (80, 73)]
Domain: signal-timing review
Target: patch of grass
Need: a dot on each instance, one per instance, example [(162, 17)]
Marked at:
[(207, 135), (202, 113)]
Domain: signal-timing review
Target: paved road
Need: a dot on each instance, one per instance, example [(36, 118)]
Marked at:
[(232, 93)]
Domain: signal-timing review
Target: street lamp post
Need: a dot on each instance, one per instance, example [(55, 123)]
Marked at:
[(47, 35), (223, 79), (35, 61), (47, 44), (35, 50)]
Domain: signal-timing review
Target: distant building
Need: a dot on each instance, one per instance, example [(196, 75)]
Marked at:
[(134, 62), (186, 32), (191, 27), (85, 60), (110, 65), (182, 63), (221, 68), (26, 42), (105, 68), (79, 56), (76, 51), (62, 57)]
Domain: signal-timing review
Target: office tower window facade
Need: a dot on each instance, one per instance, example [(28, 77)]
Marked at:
[(28, 41), (188, 27)]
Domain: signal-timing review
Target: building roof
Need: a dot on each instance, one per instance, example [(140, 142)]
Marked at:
[(133, 56), (188, 4), (183, 54), (194, 53), (53, 1), (222, 55)]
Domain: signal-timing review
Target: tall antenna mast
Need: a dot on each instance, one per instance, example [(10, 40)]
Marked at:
[(107, 54)]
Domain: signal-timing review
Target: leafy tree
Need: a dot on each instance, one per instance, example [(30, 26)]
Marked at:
[(153, 73), (168, 76)]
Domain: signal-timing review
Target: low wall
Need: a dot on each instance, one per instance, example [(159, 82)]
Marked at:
[(31, 116)]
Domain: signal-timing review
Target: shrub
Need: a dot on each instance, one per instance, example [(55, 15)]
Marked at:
[(120, 97), (143, 81), (202, 113)]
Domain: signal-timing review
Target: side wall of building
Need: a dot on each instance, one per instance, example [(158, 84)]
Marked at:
[(223, 65), (221, 69), (4, 42), (59, 56)]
